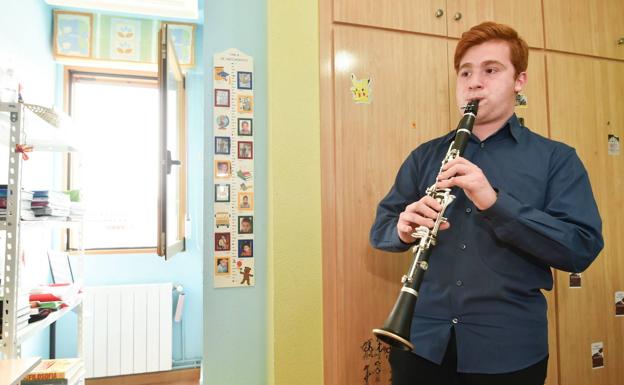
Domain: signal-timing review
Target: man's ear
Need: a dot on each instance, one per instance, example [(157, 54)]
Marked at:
[(521, 80)]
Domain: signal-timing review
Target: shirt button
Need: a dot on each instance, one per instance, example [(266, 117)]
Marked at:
[(459, 282), (455, 321), (462, 246), (482, 145), (468, 210)]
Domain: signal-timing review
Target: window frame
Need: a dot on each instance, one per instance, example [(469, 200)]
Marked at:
[(138, 78)]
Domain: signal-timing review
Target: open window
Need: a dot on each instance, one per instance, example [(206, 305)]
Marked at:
[(132, 174), (172, 150)]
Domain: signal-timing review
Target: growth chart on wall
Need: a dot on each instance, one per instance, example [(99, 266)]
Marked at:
[(233, 132)]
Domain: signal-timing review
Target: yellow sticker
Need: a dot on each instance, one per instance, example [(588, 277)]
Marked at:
[(361, 90)]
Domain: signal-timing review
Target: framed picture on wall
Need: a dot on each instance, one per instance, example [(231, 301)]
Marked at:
[(183, 35), (221, 97), (244, 80), (245, 248), (222, 168), (245, 224), (245, 127), (245, 150), (245, 201), (222, 193), (73, 34), (222, 265), (222, 145)]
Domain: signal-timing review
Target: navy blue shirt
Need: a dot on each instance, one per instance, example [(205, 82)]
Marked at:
[(487, 270)]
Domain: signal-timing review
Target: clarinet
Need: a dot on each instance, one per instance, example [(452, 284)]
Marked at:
[(396, 330)]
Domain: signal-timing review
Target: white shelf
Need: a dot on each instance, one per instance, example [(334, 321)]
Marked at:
[(42, 135), (35, 327), (43, 129), (42, 146), (48, 223)]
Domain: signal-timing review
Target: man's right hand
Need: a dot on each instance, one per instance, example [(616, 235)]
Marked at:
[(420, 213)]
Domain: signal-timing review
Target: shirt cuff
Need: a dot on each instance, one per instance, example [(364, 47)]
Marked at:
[(399, 242), (505, 208)]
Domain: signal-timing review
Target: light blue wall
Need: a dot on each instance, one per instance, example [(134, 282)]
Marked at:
[(25, 36), (235, 346)]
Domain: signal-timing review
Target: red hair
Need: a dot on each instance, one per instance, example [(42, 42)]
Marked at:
[(486, 31)]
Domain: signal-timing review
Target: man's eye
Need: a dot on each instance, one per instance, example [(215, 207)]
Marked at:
[(491, 70), (464, 74)]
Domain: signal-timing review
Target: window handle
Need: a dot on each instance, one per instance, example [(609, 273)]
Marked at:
[(171, 162)]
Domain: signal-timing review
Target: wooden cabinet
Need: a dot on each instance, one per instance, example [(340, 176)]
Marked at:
[(427, 16), (592, 27), (524, 16), (444, 18), (571, 98), (583, 112)]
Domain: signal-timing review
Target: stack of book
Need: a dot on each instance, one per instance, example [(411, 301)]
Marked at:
[(26, 207), (23, 312), (48, 204), (26, 198), (60, 371), (68, 294), (3, 201), (40, 310)]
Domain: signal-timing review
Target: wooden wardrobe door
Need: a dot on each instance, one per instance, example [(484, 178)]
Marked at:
[(585, 96), (587, 27), (408, 106)]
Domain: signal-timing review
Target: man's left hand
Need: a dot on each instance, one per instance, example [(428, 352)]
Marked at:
[(466, 175)]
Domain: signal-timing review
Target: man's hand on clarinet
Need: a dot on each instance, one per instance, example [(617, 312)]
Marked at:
[(423, 212), (466, 175)]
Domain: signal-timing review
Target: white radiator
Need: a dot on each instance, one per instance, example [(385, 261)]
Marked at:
[(127, 329)]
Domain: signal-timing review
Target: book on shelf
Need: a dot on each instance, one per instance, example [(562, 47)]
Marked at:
[(26, 195), (66, 292), (55, 369), (51, 196), (55, 305), (22, 313), (26, 212), (77, 379)]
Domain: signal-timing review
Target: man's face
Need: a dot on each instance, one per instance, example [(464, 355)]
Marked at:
[(486, 73), (245, 226)]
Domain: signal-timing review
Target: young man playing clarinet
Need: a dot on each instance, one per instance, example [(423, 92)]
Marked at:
[(523, 204)]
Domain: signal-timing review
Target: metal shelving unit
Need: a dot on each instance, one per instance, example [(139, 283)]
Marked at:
[(11, 338)]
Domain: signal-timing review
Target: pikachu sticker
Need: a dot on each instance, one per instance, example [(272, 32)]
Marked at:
[(361, 90)]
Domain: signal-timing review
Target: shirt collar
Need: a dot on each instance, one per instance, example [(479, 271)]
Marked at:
[(513, 124)]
